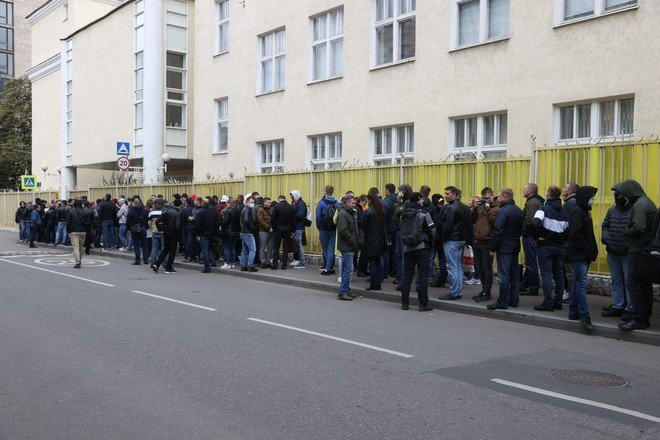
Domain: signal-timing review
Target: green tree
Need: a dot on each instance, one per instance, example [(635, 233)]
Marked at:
[(15, 131)]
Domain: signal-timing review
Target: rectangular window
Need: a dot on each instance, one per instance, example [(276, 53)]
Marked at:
[(222, 122), (484, 135), (65, 12), (393, 143), (599, 119), (6, 13), (578, 8), (175, 115), (478, 21), (272, 61), (327, 47), (575, 9), (272, 156), (394, 31), (175, 82), (222, 44), (326, 151), (6, 39)]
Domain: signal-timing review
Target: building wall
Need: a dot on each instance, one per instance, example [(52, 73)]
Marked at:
[(22, 43), (46, 147), (539, 65)]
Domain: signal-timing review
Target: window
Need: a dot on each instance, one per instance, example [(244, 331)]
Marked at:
[(175, 115), (69, 102), (222, 27), (176, 35), (222, 125), (6, 39), (394, 31), (482, 134), (138, 105), (601, 119), (327, 48), (393, 143), (478, 21), (568, 10), (65, 12), (272, 156), (6, 13), (175, 82), (272, 59), (326, 151)]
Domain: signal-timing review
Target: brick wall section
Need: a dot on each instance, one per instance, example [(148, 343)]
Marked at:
[(22, 61)]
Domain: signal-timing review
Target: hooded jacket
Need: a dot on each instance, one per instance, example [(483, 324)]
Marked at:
[(389, 203), (136, 215), (301, 210), (533, 204), (638, 234), (582, 244), (615, 223), (322, 209), (347, 229), (123, 211), (551, 223)]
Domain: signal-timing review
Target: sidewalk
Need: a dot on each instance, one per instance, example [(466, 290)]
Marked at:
[(310, 278)]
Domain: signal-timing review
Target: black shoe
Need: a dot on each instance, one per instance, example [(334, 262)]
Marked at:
[(513, 305), (343, 297), (206, 271), (558, 306), (376, 287), (137, 263), (448, 297), (611, 313), (397, 288), (482, 297), (244, 268), (274, 267), (404, 306), (32, 246), (77, 266), (495, 306), (328, 272), (170, 270), (424, 308), (545, 307), (252, 269), (529, 293), (626, 317), (586, 323), (284, 266), (154, 268), (607, 308), (437, 284), (573, 317), (633, 324)]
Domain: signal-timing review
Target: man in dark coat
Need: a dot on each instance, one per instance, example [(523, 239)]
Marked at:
[(283, 222), (206, 227), (170, 238)]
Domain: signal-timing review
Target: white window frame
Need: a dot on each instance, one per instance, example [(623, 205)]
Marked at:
[(484, 16), (328, 161), (138, 95), (394, 156), (328, 41), (595, 116), (220, 118), (272, 166), (184, 90), (65, 11), (69, 102), (480, 149), (395, 21), (599, 11), (273, 57), (220, 22)]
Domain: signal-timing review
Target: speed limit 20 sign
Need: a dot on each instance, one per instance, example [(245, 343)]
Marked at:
[(123, 163)]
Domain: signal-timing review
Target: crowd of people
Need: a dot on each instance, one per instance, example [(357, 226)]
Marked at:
[(394, 235)]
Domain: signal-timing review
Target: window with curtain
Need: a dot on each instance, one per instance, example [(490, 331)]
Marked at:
[(272, 62), (480, 20), (611, 118), (327, 45), (326, 151), (395, 30), (390, 143), (481, 134), (468, 22)]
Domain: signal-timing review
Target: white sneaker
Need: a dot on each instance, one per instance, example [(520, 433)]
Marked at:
[(294, 263), (225, 266), (477, 281), (566, 296), (339, 280)]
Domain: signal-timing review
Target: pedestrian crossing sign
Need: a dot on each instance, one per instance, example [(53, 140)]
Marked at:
[(123, 149), (29, 182)]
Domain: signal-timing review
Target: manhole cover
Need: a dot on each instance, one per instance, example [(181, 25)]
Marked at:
[(589, 378)]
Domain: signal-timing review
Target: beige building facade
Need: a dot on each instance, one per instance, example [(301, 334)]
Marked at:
[(232, 87)]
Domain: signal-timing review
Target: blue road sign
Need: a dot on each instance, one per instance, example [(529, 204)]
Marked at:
[(123, 148)]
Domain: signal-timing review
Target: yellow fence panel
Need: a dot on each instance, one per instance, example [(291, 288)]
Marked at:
[(10, 201)]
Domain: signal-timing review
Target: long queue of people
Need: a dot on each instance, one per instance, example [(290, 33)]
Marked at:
[(393, 236)]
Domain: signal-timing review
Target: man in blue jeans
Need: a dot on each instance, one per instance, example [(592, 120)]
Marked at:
[(107, 216), (454, 234), (206, 226), (327, 229), (531, 275), (506, 243), (301, 216), (249, 224), (347, 243)]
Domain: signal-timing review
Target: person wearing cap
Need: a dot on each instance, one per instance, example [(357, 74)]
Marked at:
[(77, 223), (301, 216)]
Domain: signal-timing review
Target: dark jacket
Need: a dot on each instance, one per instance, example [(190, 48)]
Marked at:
[(61, 213), (507, 229), (186, 212), (322, 209), (533, 204), (550, 224), (615, 223), (347, 229), (35, 218), (374, 234), (569, 204), (172, 220), (638, 234), (206, 222), (136, 215), (428, 227), (456, 220), (77, 220), (264, 215), (249, 221), (483, 218), (231, 220), (301, 215), (582, 244), (108, 211), (283, 217), (389, 203), (20, 212)]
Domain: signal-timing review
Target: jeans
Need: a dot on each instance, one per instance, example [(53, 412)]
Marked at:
[(207, 252), (531, 275), (122, 236), (108, 228), (569, 275), (484, 262), (301, 250), (618, 277), (140, 244), (21, 230), (551, 262), (641, 291), (248, 250), (433, 253), (328, 240), (265, 247), (508, 277), (346, 272), (578, 304), (453, 253), (156, 245), (416, 259), (60, 233), (191, 246), (229, 248)]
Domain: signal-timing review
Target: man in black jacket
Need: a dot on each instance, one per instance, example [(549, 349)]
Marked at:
[(107, 216), (77, 223), (171, 223), (531, 279), (206, 227), (283, 222), (454, 234)]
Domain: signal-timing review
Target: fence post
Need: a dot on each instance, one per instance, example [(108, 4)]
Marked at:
[(312, 199)]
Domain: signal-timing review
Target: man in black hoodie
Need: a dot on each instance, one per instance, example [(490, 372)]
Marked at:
[(534, 202), (206, 227), (108, 215), (283, 222)]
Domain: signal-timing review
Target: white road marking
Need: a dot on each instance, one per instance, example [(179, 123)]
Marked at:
[(334, 338), (176, 301), (578, 400), (58, 273)]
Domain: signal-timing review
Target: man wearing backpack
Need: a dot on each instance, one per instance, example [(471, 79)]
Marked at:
[(454, 235), (325, 212), (417, 232), (168, 223)]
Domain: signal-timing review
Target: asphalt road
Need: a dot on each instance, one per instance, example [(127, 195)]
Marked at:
[(93, 354)]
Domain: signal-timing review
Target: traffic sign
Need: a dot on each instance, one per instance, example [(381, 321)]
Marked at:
[(29, 182), (123, 149), (123, 163)]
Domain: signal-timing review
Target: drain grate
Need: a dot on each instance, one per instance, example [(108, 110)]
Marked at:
[(589, 378)]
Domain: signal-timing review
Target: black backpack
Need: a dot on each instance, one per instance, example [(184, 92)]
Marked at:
[(328, 218), (411, 223), (161, 222)]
